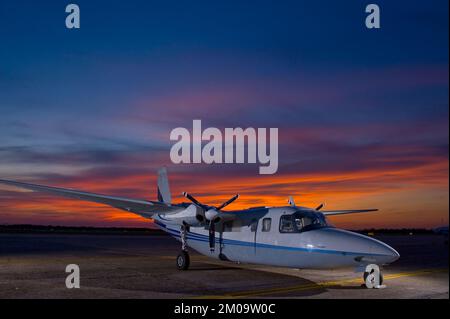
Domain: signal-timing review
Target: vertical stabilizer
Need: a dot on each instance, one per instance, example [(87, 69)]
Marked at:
[(163, 187)]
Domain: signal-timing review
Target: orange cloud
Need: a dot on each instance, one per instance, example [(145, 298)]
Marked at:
[(406, 197)]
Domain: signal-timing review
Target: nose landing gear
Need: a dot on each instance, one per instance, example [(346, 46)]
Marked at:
[(183, 259)]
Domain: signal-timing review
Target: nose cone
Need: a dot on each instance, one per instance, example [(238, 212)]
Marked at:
[(361, 248), (383, 252)]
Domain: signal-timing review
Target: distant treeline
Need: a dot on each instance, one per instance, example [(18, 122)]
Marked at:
[(399, 231), (142, 231), (77, 230)]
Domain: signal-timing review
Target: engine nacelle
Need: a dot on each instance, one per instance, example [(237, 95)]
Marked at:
[(192, 215), (211, 214)]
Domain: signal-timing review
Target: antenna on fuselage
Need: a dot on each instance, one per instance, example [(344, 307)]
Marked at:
[(320, 206), (291, 201)]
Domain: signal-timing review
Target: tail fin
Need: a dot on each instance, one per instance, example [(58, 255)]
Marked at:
[(163, 187)]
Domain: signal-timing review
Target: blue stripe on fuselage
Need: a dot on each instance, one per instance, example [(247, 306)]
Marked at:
[(205, 238)]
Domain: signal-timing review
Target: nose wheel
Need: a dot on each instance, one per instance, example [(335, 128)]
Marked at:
[(183, 259)]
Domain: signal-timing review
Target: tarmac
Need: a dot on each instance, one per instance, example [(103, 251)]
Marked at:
[(143, 266)]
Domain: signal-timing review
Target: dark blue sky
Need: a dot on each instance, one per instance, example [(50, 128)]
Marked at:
[(99, 103)]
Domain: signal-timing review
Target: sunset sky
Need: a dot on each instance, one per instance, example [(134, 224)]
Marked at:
[(362, 114)]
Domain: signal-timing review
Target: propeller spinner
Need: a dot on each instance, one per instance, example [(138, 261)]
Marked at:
[(211, 214)]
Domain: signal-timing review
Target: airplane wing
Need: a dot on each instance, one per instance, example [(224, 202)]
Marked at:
[(140, 207), (349, 211)]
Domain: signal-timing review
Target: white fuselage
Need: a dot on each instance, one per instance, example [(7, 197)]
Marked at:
[(322, 248)]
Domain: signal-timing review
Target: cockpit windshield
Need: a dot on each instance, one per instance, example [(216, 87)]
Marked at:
[(301, 221)]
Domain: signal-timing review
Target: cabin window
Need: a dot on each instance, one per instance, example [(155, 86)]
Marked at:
[(228, 226), (254, 226), (302, 221), (266, 223), (286, 224)]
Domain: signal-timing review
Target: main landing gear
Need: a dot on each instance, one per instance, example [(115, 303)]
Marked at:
[(183, 259)]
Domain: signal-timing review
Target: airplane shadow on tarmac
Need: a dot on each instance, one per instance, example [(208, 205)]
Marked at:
[(251, 283)]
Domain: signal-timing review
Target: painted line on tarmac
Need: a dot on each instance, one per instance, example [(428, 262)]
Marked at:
[(319, 285)]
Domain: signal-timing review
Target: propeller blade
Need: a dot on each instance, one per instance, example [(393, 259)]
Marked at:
[(320, 206), (228, 202), (196, 202), (212, 235)]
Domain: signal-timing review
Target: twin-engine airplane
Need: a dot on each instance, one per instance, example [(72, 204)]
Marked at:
[(288, 236)]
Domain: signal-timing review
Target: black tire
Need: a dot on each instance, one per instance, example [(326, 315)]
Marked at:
[(183, 260), (367, 274)]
